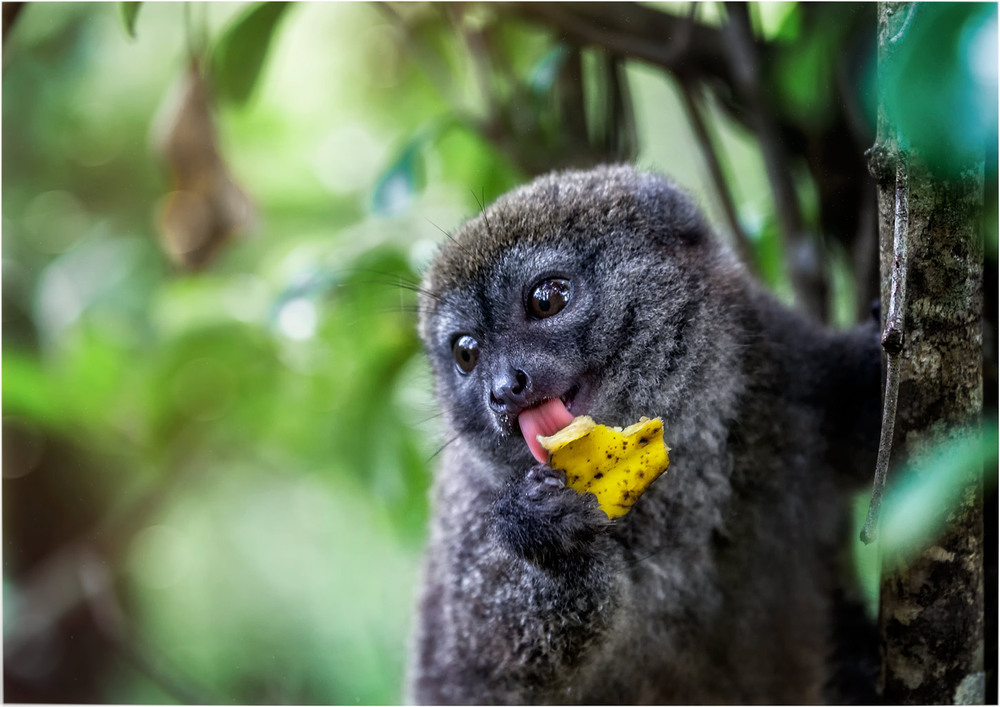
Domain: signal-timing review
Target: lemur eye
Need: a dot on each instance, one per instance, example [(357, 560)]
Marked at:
[(549, 297), (466, 353)]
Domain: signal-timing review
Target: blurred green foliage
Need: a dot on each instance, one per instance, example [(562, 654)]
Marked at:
[(940, 81), (273, 406), (929, 491), (240, 52), (130, 13), (248, 445)]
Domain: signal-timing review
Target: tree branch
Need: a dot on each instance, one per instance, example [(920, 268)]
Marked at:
[(53, 589), (482, 62), (892, 343), (573, 101), (623, 130), (695, 116), (632, 30), (436, 70)]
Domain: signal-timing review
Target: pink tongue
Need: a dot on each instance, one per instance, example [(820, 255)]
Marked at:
[(545, 419)]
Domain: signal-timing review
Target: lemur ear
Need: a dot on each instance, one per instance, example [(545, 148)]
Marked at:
[(672, 213)]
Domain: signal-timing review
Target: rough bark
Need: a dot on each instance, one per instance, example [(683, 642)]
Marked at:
[(931, 610)]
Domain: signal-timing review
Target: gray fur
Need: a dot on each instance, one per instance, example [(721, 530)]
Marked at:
[(722, 584)]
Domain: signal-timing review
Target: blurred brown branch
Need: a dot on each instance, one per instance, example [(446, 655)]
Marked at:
[(695, 113), (628, 29), (98, 588), (11, 12), (81, 574)]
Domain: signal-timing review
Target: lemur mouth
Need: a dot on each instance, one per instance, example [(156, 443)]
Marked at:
[(569, 397), (544, 419)]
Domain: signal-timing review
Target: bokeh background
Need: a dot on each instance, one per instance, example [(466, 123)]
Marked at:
[(218, 428)]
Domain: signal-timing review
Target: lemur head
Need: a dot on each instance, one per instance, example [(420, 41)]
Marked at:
[(580, 293)]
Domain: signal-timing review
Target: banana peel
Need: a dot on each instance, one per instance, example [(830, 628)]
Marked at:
[(616, 465)]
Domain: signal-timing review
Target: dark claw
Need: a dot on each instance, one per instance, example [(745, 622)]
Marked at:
[(543, 474)]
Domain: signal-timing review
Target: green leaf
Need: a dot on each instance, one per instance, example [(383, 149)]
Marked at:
[(130, 11), (407, 175), (780, 21), (28, 391), (867, 558), (806, 77), (86, 388), (939, 84), (240, 53), (931, 491)]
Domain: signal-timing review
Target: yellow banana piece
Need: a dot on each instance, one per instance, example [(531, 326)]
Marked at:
[(615, 465)]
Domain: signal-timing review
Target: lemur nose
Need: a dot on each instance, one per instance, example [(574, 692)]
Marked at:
[(510, 390)]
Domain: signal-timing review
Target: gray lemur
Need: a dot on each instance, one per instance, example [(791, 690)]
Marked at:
[(605, 293)]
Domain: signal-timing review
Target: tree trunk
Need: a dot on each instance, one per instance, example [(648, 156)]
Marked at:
[(931, 610)]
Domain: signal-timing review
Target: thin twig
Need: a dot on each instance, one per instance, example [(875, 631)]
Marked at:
[(892, 343), (623, 113), (711, 156), (572, 102), (743, 60), (435, 69), (744, 63), (478, 46)]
